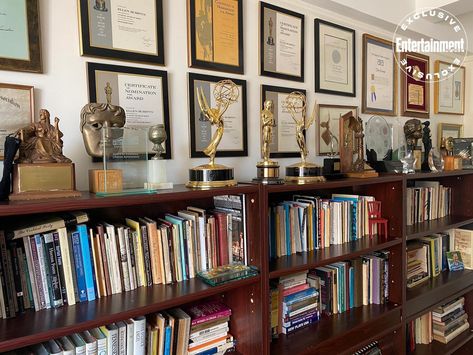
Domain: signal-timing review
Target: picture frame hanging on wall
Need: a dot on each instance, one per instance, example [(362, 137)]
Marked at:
[(449, 93), (335, 60), (20, 39), (121, 29), (415, 92), (234, 142), (379, 85), (281, 43), (215, 35), (446, 130)]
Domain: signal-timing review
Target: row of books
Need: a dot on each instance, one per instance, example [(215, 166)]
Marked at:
[(199, 329), (427, 200), (311, 222), (54, 267), (443, 324)]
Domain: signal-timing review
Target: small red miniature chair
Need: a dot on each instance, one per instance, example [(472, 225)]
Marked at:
[(374, 213)]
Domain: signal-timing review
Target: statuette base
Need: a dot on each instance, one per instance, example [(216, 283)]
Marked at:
[(304, 173), (268, 173), (362, 174), (210, 176)]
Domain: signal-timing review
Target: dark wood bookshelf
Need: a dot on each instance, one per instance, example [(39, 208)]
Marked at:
[(423, 229), (435, 176), (456, 346)]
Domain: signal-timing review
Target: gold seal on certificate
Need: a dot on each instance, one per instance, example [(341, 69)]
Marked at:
[(302, 172), (214, 175)]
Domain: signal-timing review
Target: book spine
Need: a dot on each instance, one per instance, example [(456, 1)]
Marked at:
[(210, 317), (79, 267), (52, 270), (293, 328), (124, 260), (66, 262), (37, 273), (60, 266), (146, 256), (8, 290), (24, 276), (131, 258), (139, 336), (19, 295), (167, 341), (41, 260), (31, 277), (87, 261), (103, 250)]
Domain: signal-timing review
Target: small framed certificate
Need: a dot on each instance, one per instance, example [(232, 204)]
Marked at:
[(415, 91), (122, 29), (449, 93), (281, 43)]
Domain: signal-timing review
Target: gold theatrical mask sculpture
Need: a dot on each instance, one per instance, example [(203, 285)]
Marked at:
[(268, 170), (302, 172), (42, 170), (211, 174)]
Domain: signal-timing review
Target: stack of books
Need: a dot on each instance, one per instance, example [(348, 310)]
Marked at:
[(449, 321), (311, 222), (427, 200), (418, 263), (60, 260)]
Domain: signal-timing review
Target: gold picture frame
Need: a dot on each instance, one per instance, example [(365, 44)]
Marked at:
[(444, 128), (449, 94)]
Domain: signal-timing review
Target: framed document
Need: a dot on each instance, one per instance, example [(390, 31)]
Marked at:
[(446, 130), (122, 29), (20, 48), (449, 93), (335, 59), (379, 77), (142, 93), (283, 144), (16, 110), (234, 142), (215, 30), (415, 92), (281, 43), (328, 127)]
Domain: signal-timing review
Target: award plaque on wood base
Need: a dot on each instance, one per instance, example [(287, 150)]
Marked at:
[(304, 173), (110, 180), (268, 173), (210, 175)]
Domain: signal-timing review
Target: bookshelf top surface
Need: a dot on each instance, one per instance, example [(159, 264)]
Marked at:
[(430, 175)]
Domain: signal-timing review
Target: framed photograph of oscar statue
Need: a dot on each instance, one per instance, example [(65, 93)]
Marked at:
[(415, 90)]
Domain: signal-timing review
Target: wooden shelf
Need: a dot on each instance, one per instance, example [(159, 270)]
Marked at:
[(436, 291), (418, 176), (456, 346), (423, 229), (308, 260), (339, 333), (34, 327)]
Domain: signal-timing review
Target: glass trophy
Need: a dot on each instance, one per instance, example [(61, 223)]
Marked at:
[(157, 173)]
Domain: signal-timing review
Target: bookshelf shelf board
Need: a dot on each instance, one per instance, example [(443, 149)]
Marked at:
[(454, 346), (434, 176), (90, 201), (423, 229), (34, 327), (302, 261), (339, 333), (438, 290)]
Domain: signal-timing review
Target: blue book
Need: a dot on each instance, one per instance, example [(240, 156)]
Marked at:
[(351, 273), (287, 217), (353, 199), (79, 266), (167, 340), (87, 261), (180, 227), (309, 292)]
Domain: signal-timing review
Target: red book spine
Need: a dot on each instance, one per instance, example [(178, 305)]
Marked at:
[(210, 317), (222, 237), (295, 289)]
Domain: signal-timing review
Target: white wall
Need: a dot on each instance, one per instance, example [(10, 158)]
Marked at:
[(63, 87)]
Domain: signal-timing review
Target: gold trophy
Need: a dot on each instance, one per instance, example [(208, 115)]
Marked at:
[(268, 170), (211, 174), (302, 172)]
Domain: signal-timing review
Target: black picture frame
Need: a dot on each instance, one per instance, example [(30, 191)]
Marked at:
[(284, 90), (92, 68), (201, 64), (88, 50), (194, 153), (317, 23), (263, 72)]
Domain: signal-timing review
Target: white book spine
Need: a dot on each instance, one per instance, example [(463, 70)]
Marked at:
[(122, 338), (114, 253), (167, 261), (67, 266), (130, 336), (131, 272), (124, 259), (139, 347), (42, 269)]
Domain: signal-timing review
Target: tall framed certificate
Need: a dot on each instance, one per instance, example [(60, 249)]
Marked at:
[(122, 29), (379, 95), (283, 144), (334, 59), (234, 142), (281, 43), (449, 93), (142, 93), (415, 91), (215, 39)]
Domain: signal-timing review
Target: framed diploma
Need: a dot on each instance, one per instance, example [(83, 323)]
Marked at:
[(335, 59), (20, 48), (447, 130), (281, 43), (142, 93), (283, 144), (215, 30), (16, 110), (415, 92), (122, 29), (449, 93), (234, 142), (328, 127), (379, 95)]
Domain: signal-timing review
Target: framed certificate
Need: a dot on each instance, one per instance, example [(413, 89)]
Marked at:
[(16, 110), (234, 142), (449, 93), (215, 30), (284, 143), (122, 29), (415, 92), (335, 59), (379, 95), (142, 93), (328, 127), (281, 43), (20, 48)]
